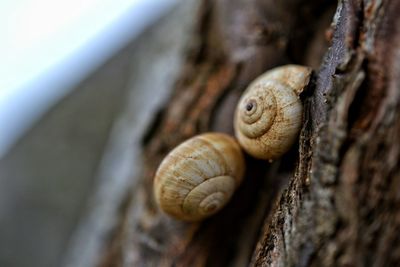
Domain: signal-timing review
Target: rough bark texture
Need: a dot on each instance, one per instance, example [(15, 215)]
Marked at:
[(333, 200)]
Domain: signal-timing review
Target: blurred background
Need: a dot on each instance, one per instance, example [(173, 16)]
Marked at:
[(80, 82)]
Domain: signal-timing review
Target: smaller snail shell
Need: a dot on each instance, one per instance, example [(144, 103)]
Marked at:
[(269, 113), (198, 177)]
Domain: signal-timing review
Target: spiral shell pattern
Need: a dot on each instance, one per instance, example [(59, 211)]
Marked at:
[(257, 112), (269, 114), (199, 176)]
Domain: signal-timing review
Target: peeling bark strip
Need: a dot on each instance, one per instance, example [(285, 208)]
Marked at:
[(342, 207), (340, 203)]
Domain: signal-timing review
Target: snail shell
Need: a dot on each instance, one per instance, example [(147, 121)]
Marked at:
[(269, 113), (198, 177)]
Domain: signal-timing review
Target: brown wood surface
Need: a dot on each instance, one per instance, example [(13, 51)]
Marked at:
[(334, 199)]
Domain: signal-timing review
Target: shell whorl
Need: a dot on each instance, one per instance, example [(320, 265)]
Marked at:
[(257, 111), (269, 114), (199, 176)]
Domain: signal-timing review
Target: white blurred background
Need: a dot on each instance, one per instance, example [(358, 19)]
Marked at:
[(48, 46), (80, 82)]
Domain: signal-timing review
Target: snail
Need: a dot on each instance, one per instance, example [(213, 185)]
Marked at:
[(268, 116), (198, 177)]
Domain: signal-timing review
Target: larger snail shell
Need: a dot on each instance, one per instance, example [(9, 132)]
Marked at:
[(199, 176), (269, 114)]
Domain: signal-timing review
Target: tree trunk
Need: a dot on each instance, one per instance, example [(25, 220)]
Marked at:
[(332, 200)]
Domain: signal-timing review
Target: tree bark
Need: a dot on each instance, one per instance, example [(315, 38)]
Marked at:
[(332, 200)]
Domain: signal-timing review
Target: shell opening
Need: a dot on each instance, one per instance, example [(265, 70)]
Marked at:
[(249, 106)]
